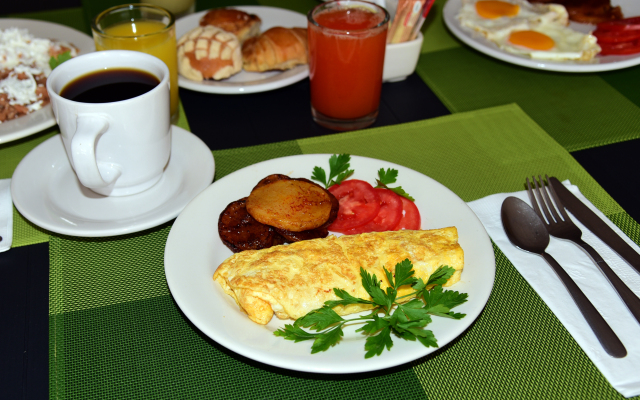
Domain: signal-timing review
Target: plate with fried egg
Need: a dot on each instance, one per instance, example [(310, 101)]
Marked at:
[(538, 36)]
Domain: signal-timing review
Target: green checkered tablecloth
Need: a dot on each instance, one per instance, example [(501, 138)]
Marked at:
[(115, 331)]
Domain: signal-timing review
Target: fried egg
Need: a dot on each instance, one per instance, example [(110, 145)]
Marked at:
[(550, 42), (536, 30), (494, 18)]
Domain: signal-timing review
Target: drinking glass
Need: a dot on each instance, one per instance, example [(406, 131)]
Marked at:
[(141, 27), (347, 41)]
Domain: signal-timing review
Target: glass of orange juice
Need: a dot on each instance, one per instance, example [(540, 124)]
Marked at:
[(347, 41), (142, 27)]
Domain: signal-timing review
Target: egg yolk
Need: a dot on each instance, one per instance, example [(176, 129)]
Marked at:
[(493, 9), (532, 40)]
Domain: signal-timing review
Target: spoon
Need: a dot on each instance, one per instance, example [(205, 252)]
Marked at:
[(527, 232)]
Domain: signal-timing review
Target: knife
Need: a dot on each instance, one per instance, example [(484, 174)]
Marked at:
[(595, 224)]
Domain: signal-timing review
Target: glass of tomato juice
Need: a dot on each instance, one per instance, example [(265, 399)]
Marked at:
[(347, 41), (141, 27)]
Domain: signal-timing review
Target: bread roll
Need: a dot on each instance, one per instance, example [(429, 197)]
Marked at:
[(277, 48), (208, 53), (240, 23)]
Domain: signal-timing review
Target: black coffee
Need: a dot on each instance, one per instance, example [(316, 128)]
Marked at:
[(109, 85)]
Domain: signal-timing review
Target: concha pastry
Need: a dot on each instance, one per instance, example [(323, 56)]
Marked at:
[(209, 53)]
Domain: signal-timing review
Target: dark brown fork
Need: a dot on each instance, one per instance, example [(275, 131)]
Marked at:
[(564, 228)]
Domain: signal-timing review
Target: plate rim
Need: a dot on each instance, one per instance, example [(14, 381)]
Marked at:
[(287, 77), (175, 271), (46, 113), (486, 47)]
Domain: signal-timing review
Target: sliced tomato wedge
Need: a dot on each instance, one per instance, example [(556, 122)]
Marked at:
[(410, 216), (615, 36), (388, 217), (610, 49), (359, 204), (625, 24)]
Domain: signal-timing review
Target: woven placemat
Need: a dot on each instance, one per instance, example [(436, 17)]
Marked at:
[(569, 107), (115, 331)]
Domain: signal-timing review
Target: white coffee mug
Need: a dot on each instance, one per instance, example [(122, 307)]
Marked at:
[(118, 148)]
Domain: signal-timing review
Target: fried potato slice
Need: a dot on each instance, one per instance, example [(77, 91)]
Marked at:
[(290, 204)]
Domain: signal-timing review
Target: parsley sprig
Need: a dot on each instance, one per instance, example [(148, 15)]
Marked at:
[(388, 177), (338, 170), (55, 61), (406, 320)]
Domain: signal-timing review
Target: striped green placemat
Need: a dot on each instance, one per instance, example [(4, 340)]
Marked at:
[(115, 331)]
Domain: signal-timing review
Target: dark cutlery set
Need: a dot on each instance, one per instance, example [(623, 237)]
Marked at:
[(528, 228)]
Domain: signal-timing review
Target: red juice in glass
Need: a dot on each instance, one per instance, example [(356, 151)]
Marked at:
[(347, 41)]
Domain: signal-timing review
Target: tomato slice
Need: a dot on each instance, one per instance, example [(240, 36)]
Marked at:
[(615, 36), (625, 24), (359, 204), (410, 216), (388, 217), (610, 49)]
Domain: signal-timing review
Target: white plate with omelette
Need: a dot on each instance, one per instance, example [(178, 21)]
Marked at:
[(194, 251), (630, 8), (249, 82)]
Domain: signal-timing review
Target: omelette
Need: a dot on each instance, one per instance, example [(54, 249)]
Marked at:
[(291, 280)]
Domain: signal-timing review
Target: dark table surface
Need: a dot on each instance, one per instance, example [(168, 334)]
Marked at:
[(251, 119)]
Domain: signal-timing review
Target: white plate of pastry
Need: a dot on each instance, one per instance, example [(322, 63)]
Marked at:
[(194, 251), (212, 62)]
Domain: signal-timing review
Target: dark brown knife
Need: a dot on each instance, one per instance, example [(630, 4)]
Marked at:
[(595, 224)]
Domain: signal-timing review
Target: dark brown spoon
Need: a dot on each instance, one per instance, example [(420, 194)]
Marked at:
[(527, 232)]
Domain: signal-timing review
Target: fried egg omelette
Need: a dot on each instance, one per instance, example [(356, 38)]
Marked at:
[(291, 280)]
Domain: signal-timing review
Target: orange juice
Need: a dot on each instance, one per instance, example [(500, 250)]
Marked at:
[(148, 36)]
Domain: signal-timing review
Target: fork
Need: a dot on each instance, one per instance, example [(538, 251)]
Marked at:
[(564, 228)]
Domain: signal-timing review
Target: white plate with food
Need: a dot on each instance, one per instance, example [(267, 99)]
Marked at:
[(194, 251), (41, 119), (47, 192), (249, 82), (630, 8)]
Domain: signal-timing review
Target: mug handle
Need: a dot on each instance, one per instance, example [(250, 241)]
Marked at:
[(89, 128)]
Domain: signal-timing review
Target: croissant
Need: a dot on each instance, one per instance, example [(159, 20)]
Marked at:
[(277, 48)]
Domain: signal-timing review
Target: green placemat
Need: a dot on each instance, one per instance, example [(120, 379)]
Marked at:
[(569, 107), (115, 331)]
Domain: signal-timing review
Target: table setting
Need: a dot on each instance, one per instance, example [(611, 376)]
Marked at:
[(110, 212)]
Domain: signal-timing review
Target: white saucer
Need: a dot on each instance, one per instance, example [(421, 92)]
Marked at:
[(46, 191)]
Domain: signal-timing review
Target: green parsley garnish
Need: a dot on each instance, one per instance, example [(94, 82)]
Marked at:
[(338, 170), (405, 320), (55, 61), (387, 177)]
